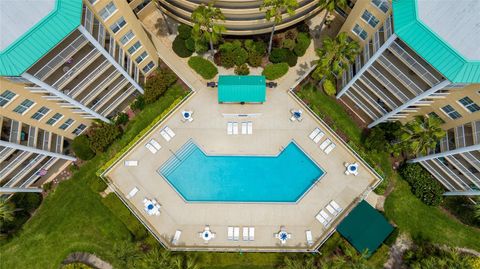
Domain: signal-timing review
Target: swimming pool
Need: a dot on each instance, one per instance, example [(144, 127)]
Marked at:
[(198, 177)]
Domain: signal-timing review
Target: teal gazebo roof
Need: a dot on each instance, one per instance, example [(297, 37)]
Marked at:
[(33, 44), (365, 228), (237, 89), (429, 44)]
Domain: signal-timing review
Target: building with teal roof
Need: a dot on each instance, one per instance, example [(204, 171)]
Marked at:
[(423, 59)]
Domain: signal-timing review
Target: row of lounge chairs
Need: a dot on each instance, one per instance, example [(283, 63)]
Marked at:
[(324, 218), (167, 133), (153, 146), (232, 128), (327, 145), (233, 233)]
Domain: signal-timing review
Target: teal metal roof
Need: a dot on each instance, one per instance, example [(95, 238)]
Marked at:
[(41, 38), (365, 228), (236, 89), (430, 46)]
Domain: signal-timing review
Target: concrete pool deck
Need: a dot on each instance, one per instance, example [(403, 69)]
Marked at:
[(272, 130)]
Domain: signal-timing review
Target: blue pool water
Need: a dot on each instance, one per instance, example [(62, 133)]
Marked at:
[(202, 178)]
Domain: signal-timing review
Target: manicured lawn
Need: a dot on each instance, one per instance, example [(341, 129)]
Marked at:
[(426, 222)]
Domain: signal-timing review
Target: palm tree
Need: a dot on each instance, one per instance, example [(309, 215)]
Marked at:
[(125, 253), (273, 10), (6, 211), (298, 263), (155, 259), (335, 56), (204, 26), (420, 135), (329, 6), (157, 4)]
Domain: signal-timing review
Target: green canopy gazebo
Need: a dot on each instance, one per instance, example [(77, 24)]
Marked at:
[(241, 89)]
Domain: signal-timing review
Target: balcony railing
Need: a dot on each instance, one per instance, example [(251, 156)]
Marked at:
[(70, 74)]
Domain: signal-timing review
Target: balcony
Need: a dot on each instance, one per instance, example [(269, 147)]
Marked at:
[(100, 84)]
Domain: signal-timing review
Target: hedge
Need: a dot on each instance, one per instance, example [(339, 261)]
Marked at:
[(242, 70), (158, 83), (329, 87), (184, 31), (278, 55), (180, 48), (303, 42), (81, 148), (275, 71), (203, 67), (102, 135), (423, 185)]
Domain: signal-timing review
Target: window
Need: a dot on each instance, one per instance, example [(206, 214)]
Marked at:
[(141, 57), (435, 115), (468, 104), (148, 67), (127, 37), (383, 5), (40, 113), (369, 18), (451, 112), (360, 32), (118, 25), (79, 129), (24, 106), (134, 47), (54, 119), (6, 97), (107, 11), (66, 124)]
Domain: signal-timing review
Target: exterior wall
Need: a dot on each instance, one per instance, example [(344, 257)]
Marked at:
[(38, 98), (241, 17), (126, 10), (355, 17)]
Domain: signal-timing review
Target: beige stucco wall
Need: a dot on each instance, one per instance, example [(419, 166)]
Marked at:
[(22, 94)]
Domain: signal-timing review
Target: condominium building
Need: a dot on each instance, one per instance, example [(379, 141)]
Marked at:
[(64, 63), (241, 17), (421, 58)]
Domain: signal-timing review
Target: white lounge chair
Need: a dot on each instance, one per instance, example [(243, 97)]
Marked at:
[(245, 233), (169, 131), (132, 193), (314, 133), (155, 144), (292, 118), (229, 128), (235, 128), (325, 215), (244, 128), (230, 233), (130, 163), (176, 237), (236, 233), (325, 144), (309, 236), (165, 135), (322, 220), (249, 127), (151, 148), (251, 233), (318, 137), (336, 206), (329, 148), (330, 210)]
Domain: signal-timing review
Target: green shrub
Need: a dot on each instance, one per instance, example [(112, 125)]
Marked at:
[(112, 202), (184, 31), (423, 185), (27, 201), (375, 140), (180, 48), (288, 44), (234, 50), (291, 59), (329, 87), (158, 83), (121, 118), (203, 67), (242, 70), (278, 55), (291, 34), (139, 103), (303, 42), (275, 71), (190, 44), (227, 60), (254, 59), (102, 135), (240, 56), (201, 47), (81, 148)]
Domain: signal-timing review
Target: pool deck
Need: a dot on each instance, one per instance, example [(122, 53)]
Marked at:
[(272, 130)]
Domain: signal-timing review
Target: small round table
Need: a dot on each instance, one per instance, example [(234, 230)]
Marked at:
[(283, 236), (207, 235), (352, 168)]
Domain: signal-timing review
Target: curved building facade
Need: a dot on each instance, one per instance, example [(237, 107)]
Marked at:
[(242, 17)]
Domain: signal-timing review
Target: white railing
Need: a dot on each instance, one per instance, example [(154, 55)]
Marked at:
[(110, 93), (118, 101), (79, 65), (36, 175), (89, 78), (100, 86), (397, 73), (13, 163), (24, 170), (388, 84)]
